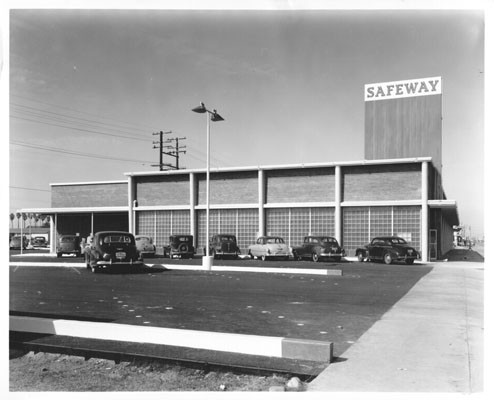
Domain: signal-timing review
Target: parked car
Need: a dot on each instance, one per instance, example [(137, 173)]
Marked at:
[(223, 245), (111, 249), (17, 241), (69, 244), (39, 241), (145, 246), (179, 246), (317, 248), (269, 247), (387, 249)]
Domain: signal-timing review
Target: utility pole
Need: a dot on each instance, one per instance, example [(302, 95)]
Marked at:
[(161, 133), (175, 150)]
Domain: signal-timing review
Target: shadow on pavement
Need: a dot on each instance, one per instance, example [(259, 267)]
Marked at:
[(463, 255)]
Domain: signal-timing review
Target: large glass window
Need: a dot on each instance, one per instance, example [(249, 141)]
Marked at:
[(294, 223), (161, 224), (355, 228), (361, 224), (243, 223), (407, 223)]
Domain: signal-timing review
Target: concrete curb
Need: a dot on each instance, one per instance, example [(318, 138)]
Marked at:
[(324, 272), (269, 346)]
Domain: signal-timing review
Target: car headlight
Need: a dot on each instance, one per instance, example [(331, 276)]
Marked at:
[(106, 257)]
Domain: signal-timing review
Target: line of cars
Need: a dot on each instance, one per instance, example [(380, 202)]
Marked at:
[(114, 248), (17, 241)]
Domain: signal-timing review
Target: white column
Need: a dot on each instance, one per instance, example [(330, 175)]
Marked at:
[(424, 240), (192, 202), (53, 234), (130, 198), (337, 206), (261, 192)]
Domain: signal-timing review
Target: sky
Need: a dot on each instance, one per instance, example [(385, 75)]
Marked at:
[(88, 88)]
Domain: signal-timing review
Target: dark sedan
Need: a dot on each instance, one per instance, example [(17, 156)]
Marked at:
[(112, 249), (388, 249), (318, 248)]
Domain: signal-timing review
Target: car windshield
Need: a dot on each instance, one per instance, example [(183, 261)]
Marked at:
[(329, 240), (143, 239), (274, 240), (180, 238), (398, 241), (227, 239), (68, 239), (117, 239)]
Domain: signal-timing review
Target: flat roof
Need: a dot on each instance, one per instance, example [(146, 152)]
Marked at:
[(286, 166)]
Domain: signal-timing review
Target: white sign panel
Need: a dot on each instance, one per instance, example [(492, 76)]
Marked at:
[(399, 89)]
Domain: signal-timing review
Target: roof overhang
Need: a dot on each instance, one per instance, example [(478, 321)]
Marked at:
[(449, 210), (73, 210), (286, 166)]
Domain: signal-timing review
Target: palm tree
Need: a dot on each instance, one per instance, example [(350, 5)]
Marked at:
[(12, 216), (18, 216)]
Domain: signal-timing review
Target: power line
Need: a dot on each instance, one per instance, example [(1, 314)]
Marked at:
[(69, 152), (141, 126), (25, 188), (82, 130), (32, 111)]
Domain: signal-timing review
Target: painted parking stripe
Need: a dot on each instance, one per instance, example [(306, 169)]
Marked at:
[(304, 271), (268, 346)]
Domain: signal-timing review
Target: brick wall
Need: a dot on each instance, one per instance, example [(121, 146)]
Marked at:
[(162, 190), (300, 185), (229, 188), (96, 195), (382, 182)]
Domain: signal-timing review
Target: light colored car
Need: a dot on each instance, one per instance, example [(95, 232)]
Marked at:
[(16, 242), (145, 246), (269, 247)]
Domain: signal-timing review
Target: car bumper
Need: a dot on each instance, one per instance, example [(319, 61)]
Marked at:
[(103, 263), (342, 254)]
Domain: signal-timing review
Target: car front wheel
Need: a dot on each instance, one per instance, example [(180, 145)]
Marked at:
[(315, 257), (360, 257), (409, 261), (387, 259)]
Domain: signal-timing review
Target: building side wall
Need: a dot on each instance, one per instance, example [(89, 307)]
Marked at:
[(300, 185), (91, 195), (229, 188), (162, 190), (405, 127), (383, 182)]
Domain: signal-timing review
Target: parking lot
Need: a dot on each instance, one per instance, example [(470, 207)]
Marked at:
[(328, 308)]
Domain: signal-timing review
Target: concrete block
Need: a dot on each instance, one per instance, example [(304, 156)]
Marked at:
[(304, 349)]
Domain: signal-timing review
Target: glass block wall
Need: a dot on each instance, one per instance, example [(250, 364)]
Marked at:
[(243, 223), (292, 224), (161, 224), (361, 224)]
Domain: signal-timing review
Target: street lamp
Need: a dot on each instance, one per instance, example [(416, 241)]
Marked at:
[(215, 117)]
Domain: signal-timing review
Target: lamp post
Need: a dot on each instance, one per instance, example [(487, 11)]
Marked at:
[(215, 117)]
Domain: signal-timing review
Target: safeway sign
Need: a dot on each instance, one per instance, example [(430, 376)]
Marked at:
[(399, 89)]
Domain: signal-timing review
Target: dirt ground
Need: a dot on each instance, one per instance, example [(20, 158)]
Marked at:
[(44, 372)]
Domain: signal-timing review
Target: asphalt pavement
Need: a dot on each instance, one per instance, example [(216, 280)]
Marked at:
[(396, 328)]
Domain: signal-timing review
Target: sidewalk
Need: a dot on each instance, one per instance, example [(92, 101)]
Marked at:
[(430, 341)]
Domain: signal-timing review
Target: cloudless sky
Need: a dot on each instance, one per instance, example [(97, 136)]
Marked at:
[(89, 87)]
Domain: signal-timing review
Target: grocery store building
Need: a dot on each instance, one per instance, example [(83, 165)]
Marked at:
[(395, 190)]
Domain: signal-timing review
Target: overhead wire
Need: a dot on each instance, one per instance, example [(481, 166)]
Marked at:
[(76, 153)]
